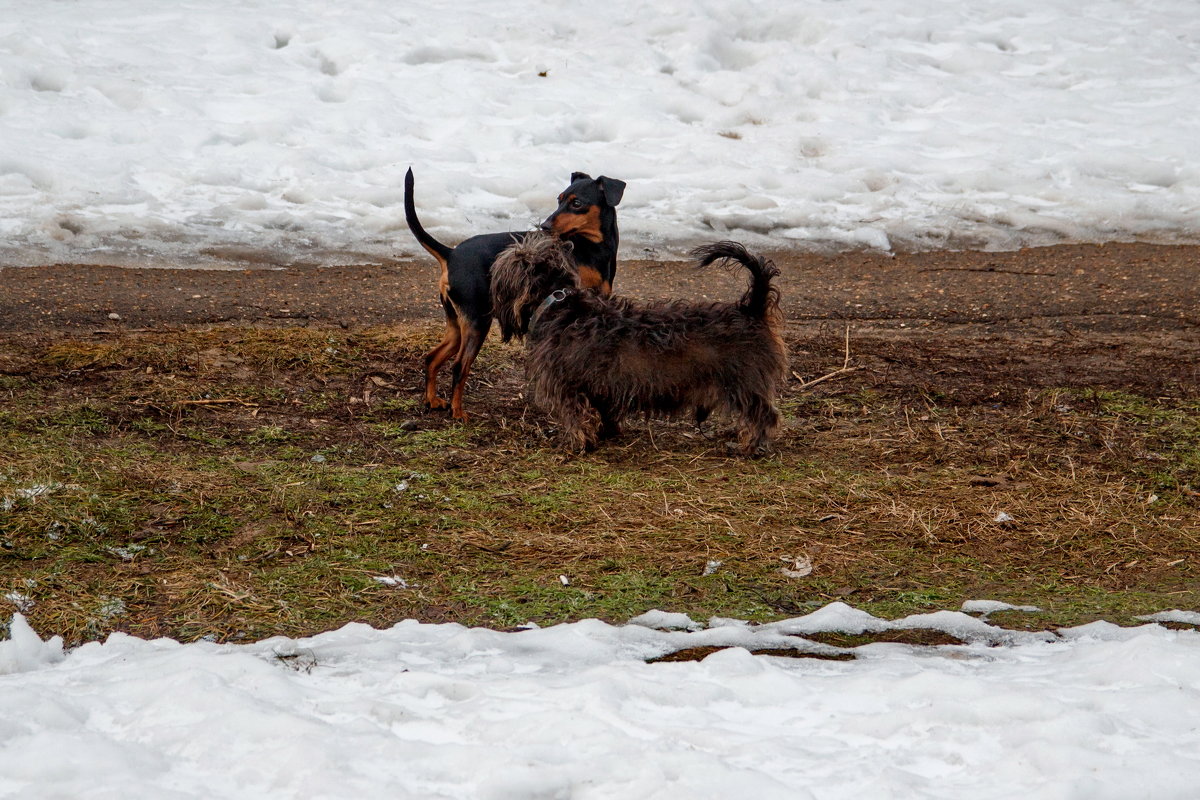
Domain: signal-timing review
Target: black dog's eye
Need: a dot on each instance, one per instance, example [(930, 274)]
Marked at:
[(576, 203)]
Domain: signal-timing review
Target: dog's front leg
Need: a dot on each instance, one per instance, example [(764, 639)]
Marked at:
[(578, 422), (758, 422), (610, 421)]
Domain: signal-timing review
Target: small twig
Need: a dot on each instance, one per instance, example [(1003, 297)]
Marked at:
[(990, 269), (215, 402), (845, 368), (497, 550), (650, 430)]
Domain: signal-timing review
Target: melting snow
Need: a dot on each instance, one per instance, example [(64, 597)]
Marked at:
[(209, 129), (443, 711)]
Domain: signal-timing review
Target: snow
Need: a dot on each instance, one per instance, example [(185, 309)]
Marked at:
[(666, 621), (24, 650), (1174, 615), (574, 711), (986, 607), (201, 131)]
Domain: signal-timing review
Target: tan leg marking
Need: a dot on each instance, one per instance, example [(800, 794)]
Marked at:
[(435, 358)]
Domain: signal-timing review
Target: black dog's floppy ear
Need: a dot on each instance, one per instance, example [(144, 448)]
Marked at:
[(579, 176), (613, 189)]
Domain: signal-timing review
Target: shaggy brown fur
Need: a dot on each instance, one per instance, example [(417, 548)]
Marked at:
[(595, 359)]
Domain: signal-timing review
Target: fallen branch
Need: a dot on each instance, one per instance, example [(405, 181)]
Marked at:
[(844, 369)]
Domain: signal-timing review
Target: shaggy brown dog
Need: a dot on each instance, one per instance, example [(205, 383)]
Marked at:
[(594, 359)]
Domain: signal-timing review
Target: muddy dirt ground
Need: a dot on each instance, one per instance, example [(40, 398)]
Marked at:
[(967, 325)]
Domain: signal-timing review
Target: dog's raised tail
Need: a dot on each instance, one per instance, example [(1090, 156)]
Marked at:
[(435, 248), (762, 298)]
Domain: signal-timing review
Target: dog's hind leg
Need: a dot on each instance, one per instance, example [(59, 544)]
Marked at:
[(438, 356), (472, 339)]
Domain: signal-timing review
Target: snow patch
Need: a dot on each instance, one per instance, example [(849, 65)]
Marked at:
[(986, 607), (666, 621), (24, 650), (286, 128), (446, 711), (1174, 615)]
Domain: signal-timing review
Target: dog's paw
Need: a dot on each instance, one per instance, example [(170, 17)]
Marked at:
[(609, 432), (736, 448)]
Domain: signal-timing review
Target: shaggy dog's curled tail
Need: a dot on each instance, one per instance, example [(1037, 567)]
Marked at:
[(762, 298)]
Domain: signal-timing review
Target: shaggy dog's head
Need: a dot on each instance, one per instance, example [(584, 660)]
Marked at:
[(524, 275)]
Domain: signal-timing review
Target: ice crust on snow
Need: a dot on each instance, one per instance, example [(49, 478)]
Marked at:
[(968, 628), (839, 617), (666, 621), (835, 617), (225, 130), (1174, 615), (443, 711), (985, 607)]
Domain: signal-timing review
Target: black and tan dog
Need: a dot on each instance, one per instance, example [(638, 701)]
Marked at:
[(586, 217), (594, 359)]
